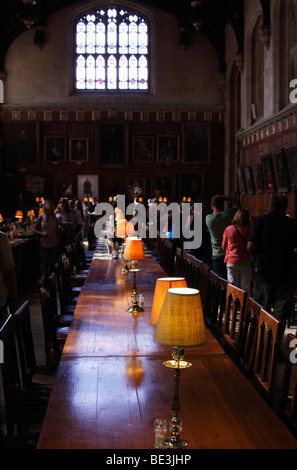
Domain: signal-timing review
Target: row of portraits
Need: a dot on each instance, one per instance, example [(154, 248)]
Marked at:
[(112, 142), (185, 185), (276, 173)]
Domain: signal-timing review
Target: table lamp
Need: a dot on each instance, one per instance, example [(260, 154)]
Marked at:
[(19, 215), (118, 213), (133, 252), (123, 230), (161, 287), (181, 323)]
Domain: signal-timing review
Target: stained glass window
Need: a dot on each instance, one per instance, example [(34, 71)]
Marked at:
[(112, 51)]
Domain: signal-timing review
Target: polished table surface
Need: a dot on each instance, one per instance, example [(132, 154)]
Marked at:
[(111, 382)]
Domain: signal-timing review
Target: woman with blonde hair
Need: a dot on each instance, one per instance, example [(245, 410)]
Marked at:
[(237, 258)]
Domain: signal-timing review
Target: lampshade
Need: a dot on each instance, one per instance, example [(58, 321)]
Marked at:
[(118, 214), (19, 214), (161, 287), (124, 228), (134, 249), (181, 321), (1, 218)]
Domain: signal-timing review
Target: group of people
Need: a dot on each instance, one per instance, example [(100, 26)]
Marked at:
[(60, 226), (258, 254)]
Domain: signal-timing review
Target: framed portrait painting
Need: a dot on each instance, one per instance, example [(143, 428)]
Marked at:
[(248, 176), (268, 173), (292, 164), (55, 149), (23, 144), (143, 149), (135, 187), (196, 143), (280, 171), (163, 187), (241, 180), (63, 187), (78, 150), (87, 186), (258, 179), (168, 148), (192, 185), (113, 143)]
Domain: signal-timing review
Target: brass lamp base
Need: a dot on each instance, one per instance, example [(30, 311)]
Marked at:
[(170, 444), (134, 307), (125, 269), (175, 442), (177, 363)]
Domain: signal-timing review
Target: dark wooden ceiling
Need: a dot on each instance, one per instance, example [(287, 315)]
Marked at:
[(211, 15)]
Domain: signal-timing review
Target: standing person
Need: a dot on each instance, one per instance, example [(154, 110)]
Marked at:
[(237, 258), (202, 253), (216, 224), (47, 226), (273, 240), (8, 278)]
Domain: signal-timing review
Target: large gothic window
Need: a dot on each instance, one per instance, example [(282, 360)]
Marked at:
[(112, 51)]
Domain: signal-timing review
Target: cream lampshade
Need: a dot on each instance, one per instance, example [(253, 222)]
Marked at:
[(181, 323), (161, 287)]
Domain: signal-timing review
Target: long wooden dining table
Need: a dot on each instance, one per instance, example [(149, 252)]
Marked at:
[(111, 382)]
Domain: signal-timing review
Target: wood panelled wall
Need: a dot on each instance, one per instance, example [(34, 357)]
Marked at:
[(279, 136), (19, 180)]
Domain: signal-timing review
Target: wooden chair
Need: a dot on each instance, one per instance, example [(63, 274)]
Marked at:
[(247, 347), (287, 407), (22, 407), (78, 278), (188, 267), (177, 261), (22, 441), (66, 304), (293, 318), (69, 289), (77, 263), (63, 317), (267, 350), (168, 256), (54, 337), (232, 327), (85, 260), (30, 371), (215, 301), (200, 277)]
